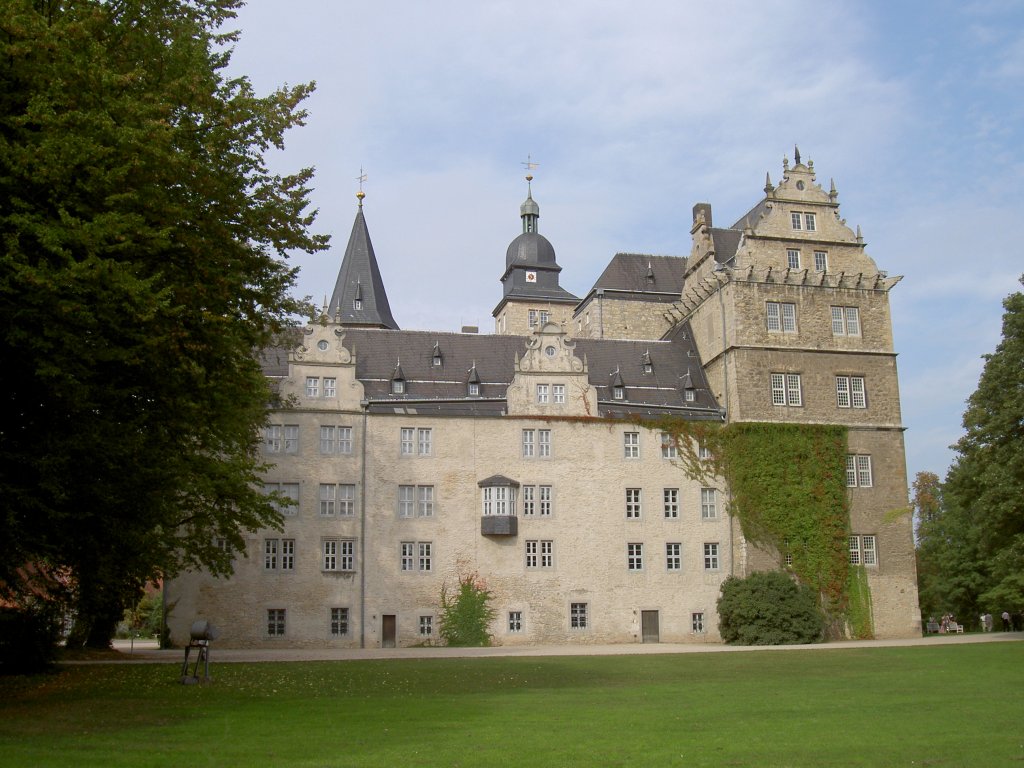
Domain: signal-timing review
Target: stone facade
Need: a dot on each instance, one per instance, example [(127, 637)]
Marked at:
[(419, 458)]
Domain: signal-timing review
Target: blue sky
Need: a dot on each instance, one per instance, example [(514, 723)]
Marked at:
[(636, 111)]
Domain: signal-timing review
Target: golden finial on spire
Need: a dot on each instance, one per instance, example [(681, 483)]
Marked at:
[(361, 178)]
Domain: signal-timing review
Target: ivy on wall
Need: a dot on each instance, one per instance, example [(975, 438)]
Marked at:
[(788, 489)]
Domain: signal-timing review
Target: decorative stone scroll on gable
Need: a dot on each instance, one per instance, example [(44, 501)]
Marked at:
[(322, 354), (550, 380)]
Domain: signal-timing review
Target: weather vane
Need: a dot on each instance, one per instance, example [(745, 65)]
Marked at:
[(529, 165), (361, 178)]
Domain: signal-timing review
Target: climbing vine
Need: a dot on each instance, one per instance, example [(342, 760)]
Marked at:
[(788, 490)]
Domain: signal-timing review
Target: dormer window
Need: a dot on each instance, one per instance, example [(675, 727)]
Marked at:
[(648, 366), (618, 386), (436, 359), (474, 390), (619, 393), (397, 387), (357, 300)]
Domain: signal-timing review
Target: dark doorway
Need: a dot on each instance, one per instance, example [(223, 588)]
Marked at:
[(649, 626), (388, 630)]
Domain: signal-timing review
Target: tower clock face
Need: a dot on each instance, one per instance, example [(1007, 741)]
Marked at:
[(531, 277)]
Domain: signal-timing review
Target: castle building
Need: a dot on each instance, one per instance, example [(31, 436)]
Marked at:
[(519, 458)]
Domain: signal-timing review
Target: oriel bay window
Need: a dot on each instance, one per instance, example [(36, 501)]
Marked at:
[(498, 506)]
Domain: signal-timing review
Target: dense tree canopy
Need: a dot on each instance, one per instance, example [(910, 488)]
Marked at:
[(141, 265), (971, 528)]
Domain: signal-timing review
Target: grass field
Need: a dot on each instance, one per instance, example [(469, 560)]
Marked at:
[(922, 706)]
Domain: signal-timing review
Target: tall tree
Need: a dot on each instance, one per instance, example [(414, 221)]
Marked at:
[(984, 489), (142, 264)]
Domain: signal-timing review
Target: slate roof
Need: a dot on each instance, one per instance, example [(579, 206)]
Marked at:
[(359, 278), (628, 273)]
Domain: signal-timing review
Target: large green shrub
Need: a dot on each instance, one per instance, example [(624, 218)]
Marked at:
[(466, 616), (769, 609)]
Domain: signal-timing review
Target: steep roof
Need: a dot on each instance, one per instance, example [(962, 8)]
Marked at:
[(359, 298), (642, 273)]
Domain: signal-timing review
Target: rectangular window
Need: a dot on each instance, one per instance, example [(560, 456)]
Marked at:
[(863, 550), (515, 621), (270, 554), (531, 553), (330, 387), (273, 438), (845, 321), (703, 452), (406, 500), (426, 626), (809, 222), (558, 393), (529, 445), (291, 438), (544, 316), (577, 615), (417, 556), (711, 556), (287, 554), (529, 500), (346, 499), (426, 556), (275, 622), (544, 499), (820, 261), (673, 556), (339, 554), (697, 623), (328, 499), (540, 553), (781, 316), (671, 496), (290, 492), (407, 441), (635, 557), (542, 394), (786, 389), (532, 314), (339, 621), (708, 504), (850, 392), (633, 506), (425, 499), (544, 443), (796, 220), (631, 445), (312, 386), (424, 441), (669, 450), (858, 471), (793, 257)]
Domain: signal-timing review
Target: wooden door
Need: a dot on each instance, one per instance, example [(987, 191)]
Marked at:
[(388, 630), (649, 626)]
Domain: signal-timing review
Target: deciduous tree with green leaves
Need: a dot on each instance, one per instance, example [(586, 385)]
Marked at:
[(984, 489), (142, 246)]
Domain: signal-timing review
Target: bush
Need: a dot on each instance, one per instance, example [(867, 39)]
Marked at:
[(768, 609), (467, 615), (28, 638)]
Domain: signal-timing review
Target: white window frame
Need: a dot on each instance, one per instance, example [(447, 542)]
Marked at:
[(515, 622), (543, 443), (558, 394), (674, 556), (851, 392), (810, 222), (781, 316), (426, 626), (821, 261), (330, 386), (712, 560), (858, 471), (424, 441), (407, 441), (796, 220), (290, 491), (634, 556), (697, 623), (425, 556), (339, 555), (312, 386), (328, 499), (578, 616), (863, 550), (631, 445), (543, 394), (793, 258), (669, 449), (406, 501), (845, 321), (346, 499), (786, 389), (708, 504), (634, 503), (670, 497)]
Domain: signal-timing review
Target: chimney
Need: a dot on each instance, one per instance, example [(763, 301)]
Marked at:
[(704, 208)]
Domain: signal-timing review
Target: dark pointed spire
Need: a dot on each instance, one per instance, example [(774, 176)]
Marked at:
[(359, 297), (796, 155)]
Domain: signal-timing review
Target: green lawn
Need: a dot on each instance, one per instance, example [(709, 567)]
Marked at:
[(922, 706)]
